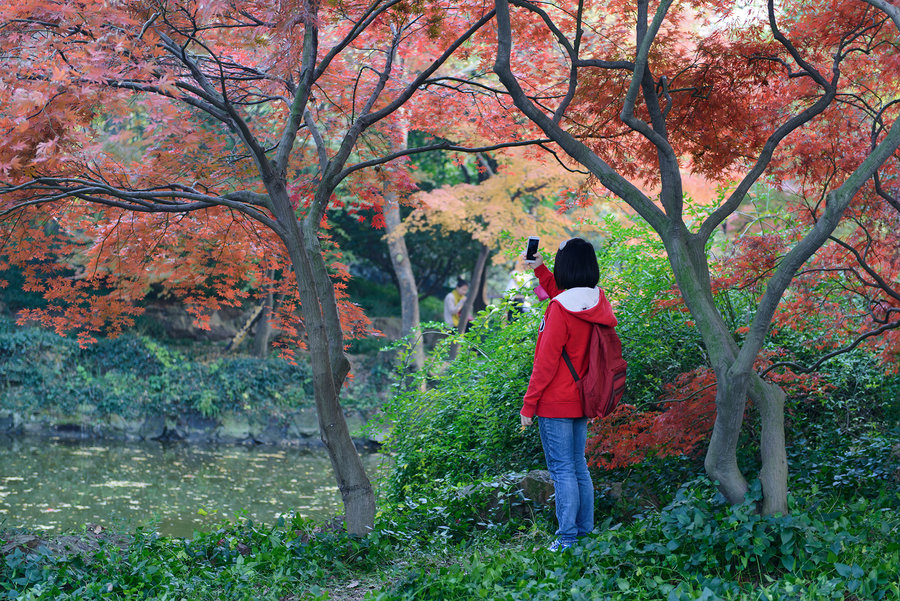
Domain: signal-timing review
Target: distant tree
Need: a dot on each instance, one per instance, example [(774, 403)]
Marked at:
[(514, 197), (436, 255)]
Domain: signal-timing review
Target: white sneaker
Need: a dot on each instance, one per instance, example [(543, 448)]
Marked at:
[(559, 545)]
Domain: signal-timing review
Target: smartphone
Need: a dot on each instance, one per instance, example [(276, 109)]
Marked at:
[(532, 248)]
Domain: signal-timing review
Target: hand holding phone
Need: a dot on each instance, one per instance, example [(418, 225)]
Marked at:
[(532, 248)]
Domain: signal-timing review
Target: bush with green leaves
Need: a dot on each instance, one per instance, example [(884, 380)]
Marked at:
[(659, 339), (458, 421), (447, 545), (455, 422), (242, 561), (135, 376)]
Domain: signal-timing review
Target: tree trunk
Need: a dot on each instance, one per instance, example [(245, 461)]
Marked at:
[(733, 386), (329, 364), (329, 372), (477, 273), (466, 311), (263, 333), (689, 266), (406, 281), (721, 455), (773, 475)]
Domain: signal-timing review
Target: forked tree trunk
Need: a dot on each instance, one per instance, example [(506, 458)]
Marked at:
[(733, 387)]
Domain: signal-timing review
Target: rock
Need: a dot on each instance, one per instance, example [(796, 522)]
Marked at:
[(194, 427), (72, 431), (9, 423), (510, 497), (234, 428), (171, 433), (613, 490), (36, 424), (295, 428), (85, 543), (21, 542), (178, 323), (275, 431), (304, 424), (153, 428), (537, 486), (120, 428), (366, 445)]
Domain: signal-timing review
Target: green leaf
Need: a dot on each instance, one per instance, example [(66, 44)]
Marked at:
[(842, 569)]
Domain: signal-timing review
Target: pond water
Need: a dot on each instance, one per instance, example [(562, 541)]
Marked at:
[(55, 485)]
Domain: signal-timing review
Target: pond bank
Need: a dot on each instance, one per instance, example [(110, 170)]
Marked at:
[(295, 428)]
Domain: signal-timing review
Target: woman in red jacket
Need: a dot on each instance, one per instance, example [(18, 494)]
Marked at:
[(552, 394)]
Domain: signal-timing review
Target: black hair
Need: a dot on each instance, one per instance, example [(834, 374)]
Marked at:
[(576, 265), (461, 282)]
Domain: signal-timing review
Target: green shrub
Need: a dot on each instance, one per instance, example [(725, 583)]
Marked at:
[(137, 376), (240, 562), (696, 548), (465, 424), (659, 340)]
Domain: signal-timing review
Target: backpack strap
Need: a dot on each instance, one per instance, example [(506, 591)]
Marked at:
[(565, 355), (568, 361)]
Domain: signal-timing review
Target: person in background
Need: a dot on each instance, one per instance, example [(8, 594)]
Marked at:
[(453, 303), (552, 393)]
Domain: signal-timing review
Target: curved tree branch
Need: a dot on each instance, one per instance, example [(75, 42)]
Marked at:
[(600, 169)]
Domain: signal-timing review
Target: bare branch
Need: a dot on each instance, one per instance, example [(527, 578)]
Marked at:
[(317, 138), (172, 198), (448, 146)]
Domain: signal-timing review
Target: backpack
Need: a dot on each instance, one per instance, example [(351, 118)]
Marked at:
[(604, 383)]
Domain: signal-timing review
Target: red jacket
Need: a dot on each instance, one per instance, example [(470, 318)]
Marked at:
[(551, 389)]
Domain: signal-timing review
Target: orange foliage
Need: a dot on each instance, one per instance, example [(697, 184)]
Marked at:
[(517, 201)]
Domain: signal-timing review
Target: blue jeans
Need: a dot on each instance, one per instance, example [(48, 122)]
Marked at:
[(563, 440)]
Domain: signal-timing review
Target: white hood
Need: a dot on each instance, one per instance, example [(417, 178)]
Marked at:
[(578, 299)]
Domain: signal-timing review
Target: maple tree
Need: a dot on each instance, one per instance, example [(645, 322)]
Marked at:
[(200, 145), (639, 95), (852, 285)]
